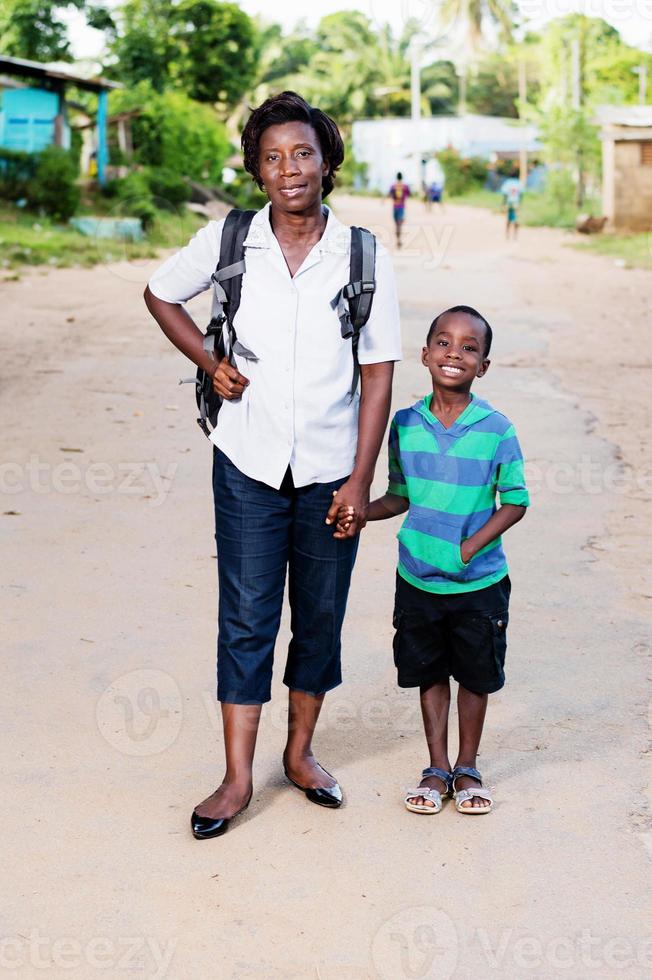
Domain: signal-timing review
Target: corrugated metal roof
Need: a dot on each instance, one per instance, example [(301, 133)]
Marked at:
[(55, 70), (624, 115)]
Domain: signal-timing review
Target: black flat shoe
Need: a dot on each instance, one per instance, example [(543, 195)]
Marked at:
[(203, 828), (321, 795)]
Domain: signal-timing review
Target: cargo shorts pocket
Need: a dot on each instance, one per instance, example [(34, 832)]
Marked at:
[(498, 624), (398, 620)]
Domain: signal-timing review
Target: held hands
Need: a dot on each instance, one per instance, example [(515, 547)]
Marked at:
[(228, 383), (348, 510)]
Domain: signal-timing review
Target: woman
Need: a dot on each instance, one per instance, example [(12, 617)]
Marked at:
[(290, 446)]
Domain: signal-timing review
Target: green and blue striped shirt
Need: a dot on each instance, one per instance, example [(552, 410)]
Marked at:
[(451, 478)]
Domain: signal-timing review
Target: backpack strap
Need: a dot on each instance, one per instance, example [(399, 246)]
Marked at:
[(227, 282), (227, 287), (353, 302)]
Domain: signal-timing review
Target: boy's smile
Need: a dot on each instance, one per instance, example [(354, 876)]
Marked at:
[(455, 354)]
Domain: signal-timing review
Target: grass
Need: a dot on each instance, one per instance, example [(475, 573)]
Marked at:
[(634, 250), (28, 240), (538, 210)]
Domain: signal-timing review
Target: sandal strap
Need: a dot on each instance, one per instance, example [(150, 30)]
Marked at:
[(465, 771), (425, 792), (439, 773), (462, 795)]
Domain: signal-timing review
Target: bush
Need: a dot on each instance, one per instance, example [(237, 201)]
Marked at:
[(463, 174), (168, 188), (53, 188), (555, 205), (135, 197), (16, 171), (174, 133)]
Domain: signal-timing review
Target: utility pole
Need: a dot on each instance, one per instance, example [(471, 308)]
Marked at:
[(576, 102), (415, 86), (641, 71), (522, 98), (576, 98)]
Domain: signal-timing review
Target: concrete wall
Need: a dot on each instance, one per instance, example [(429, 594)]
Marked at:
[(627, 185)]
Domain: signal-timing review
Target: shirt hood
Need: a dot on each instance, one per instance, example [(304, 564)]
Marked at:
[(475, 412)]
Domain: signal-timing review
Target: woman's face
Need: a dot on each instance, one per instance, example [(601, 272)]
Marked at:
[(291, 166)]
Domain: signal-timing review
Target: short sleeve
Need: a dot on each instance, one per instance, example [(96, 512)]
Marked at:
[(188, 272), (380, 338), (510, 471), (396, 483)]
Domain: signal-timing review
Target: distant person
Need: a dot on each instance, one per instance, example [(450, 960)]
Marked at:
[(512, 192), (399, 193), (450, 455), (435, 193)]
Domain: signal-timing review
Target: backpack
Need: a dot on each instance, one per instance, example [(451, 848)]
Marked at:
[(353, 305)]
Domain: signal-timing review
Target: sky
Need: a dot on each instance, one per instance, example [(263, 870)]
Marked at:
[(633, 18)]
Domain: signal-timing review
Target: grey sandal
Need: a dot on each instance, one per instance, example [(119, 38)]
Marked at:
[(462, 796), (427, 793)]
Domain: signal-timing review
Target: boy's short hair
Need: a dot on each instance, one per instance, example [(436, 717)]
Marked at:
[(290, 107), (470, 312)]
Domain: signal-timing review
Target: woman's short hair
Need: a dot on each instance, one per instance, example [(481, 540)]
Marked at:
[(290, 107)]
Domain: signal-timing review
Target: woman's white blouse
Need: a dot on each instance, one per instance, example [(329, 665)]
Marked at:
[(297, 410)]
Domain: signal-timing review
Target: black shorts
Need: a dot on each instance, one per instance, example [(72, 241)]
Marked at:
[(461, 635)]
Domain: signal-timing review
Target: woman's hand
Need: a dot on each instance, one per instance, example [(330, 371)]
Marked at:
[(228, 383)]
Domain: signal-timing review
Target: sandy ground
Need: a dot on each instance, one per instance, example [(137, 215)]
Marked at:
[(110, 731)]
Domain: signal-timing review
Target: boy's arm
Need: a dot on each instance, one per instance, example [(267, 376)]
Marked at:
[(514, 498), (389, 505), (498, 523)]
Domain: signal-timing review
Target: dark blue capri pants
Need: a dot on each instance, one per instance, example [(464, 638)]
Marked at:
[(261, 532)]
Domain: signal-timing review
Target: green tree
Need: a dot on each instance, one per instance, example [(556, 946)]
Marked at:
[(142, 44), (440, 86), (217, 50), (492, 88), (32, 29), (473, 16)]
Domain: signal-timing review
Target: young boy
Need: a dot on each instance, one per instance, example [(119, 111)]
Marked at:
[(399, 193), (449, 455)]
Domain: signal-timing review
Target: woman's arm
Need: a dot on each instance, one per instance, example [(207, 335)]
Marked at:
[(179, 327), (375, 399)]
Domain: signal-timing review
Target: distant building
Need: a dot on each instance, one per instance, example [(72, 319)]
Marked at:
[(34, 115), (626, 134), (390, 145)]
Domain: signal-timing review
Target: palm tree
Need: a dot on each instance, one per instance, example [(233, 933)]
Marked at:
[(472, 18)]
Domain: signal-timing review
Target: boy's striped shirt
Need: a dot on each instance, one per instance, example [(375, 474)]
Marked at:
[(451, 478)]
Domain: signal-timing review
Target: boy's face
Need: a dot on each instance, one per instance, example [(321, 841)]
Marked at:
[(455, 356)]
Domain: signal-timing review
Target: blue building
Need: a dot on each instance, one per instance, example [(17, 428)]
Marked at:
[(34, 114)]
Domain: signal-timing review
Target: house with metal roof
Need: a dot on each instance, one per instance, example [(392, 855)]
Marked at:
[(626, 134), (34, 110)]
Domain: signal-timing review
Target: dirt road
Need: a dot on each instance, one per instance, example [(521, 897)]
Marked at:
[(110, 728)]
